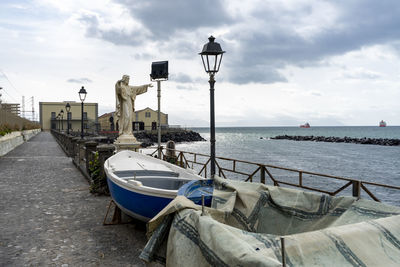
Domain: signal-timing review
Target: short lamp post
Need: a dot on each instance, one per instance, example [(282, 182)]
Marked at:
[(211, 55), (62, 120), (68, 109), (82, 96), (58, 121)]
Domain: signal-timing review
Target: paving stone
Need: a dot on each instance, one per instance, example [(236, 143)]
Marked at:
[(49, 218)]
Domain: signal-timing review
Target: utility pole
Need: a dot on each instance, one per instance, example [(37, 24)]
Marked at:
[(0, 96)]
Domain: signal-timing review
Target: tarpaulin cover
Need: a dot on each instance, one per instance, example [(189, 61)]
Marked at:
[(246, 221)]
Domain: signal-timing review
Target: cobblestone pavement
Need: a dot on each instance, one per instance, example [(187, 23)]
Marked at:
[(49, 218)]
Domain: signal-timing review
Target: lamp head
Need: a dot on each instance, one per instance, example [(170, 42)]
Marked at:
[(82, 94), (211, 55)]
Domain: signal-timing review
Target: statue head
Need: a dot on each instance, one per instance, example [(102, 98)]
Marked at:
[(125, 79)]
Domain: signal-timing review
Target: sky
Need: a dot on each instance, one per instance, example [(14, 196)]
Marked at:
[(329, 63)]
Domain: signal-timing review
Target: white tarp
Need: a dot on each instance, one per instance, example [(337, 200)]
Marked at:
[(247, 220)]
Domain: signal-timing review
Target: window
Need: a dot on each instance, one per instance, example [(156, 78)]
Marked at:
[(69, 116), (53, 115), (147, 114), (85, 115)]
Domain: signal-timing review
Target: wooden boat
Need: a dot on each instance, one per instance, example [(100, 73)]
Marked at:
[(141, 185)]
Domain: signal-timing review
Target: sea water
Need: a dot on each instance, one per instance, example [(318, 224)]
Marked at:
[(373, 163)]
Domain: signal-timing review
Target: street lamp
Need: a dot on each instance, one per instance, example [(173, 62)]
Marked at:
[(212, 57), (82, 96), (68, 109), (62, 119)]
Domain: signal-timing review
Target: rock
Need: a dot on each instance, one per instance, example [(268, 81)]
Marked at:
[(332, 139)]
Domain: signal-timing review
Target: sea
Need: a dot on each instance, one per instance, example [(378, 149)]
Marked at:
[(373, 163)]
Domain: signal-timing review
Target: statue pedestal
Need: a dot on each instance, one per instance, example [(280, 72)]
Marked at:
[(127, 142)]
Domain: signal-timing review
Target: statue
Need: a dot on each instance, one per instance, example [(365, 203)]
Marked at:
[(125, 96)]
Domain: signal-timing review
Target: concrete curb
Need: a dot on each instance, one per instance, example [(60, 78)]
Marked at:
[(14, 139)]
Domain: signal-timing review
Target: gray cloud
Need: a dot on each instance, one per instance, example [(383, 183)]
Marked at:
[(79, 80), (262, 42), (273, 46), (164, 18), (115, 36)]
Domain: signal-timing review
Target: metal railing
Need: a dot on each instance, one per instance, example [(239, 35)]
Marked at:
[(226, 166)]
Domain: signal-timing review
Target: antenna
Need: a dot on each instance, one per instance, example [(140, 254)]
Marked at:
[(33, 110), (23, 107)]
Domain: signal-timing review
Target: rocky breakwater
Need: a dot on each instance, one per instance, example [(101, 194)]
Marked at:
[(148, 138), (331, 139)]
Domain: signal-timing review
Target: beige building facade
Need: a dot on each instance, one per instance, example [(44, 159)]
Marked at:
[(49, 118), (145, 119)]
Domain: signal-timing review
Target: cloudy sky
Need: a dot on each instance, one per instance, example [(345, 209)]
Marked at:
[(287, 62)]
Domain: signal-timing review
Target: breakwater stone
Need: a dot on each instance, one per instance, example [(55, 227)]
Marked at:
[(331, 139), (148, 139)]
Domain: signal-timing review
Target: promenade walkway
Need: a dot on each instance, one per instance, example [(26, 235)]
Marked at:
[(49, 218)]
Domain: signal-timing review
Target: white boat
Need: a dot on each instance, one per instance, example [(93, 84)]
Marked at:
[(141, 185)]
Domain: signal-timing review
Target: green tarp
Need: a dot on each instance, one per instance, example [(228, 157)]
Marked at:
[(245, 224)]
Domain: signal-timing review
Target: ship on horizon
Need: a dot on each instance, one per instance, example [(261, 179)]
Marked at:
[(382, 123), (306, 125)]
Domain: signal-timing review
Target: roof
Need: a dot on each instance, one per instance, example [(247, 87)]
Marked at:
[(141, 110)]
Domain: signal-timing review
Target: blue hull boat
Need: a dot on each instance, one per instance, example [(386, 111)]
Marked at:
[(142, 186)]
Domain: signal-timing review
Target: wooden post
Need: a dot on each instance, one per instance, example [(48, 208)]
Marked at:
[(300, 178), (262, 174), (356, 188)]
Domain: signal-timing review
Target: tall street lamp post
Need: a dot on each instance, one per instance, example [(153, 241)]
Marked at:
[(68, 109), (82, 96), (62, 120), (211, 55), (159, 72)]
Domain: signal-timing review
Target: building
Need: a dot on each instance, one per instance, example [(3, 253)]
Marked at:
[(49, 112), (13, 108), (145, 119), (106, 122)]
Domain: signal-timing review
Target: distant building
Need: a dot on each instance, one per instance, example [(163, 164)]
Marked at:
[(49, 111), (145, 119), (107, 122), (13, 108)]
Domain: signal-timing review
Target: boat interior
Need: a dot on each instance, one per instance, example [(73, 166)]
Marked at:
[(168, 180)]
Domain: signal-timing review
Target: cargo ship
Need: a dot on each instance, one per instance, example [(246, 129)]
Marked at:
[(306, 125), (382, 123)]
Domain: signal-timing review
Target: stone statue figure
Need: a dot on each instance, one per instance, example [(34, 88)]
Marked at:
[(125, 96)]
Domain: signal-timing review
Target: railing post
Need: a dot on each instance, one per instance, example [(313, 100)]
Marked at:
[(262, 174), (81, 150), (356, 188), (90, 147), (300, 178), (75, 150), (105, 151)]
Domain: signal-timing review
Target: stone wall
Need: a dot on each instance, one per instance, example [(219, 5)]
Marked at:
[(14, 139)]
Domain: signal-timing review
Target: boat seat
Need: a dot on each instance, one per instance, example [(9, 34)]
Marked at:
[(144, 173)]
